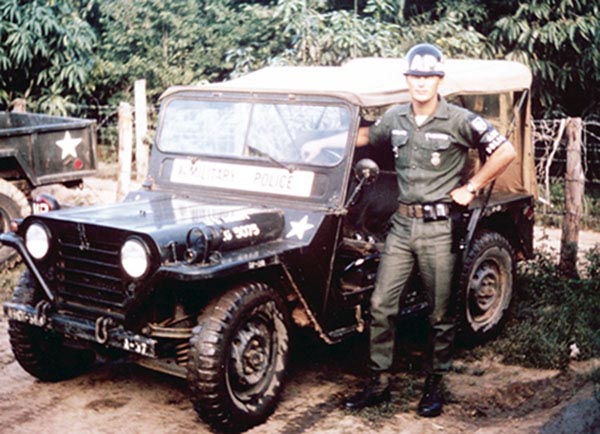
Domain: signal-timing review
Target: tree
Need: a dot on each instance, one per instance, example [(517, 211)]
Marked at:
[(179, 42), (560, 41), (45, 54)]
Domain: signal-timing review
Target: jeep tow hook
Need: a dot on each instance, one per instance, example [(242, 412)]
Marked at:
[(101, 330), (41, 312)]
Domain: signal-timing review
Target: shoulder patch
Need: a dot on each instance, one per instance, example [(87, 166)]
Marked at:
[(479, 124)]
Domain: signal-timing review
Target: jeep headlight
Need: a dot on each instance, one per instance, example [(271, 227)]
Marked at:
[(134, 258), (37, 240)]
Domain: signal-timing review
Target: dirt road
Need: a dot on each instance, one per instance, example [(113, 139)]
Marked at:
[(486, 397), (119, 397)]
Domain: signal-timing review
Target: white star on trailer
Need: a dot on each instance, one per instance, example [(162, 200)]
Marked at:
[(68, 145), (299, 227)]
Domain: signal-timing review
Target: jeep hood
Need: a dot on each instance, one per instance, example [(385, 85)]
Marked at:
[(182, 229)]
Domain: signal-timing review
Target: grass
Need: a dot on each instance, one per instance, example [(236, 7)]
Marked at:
[(551, 312)]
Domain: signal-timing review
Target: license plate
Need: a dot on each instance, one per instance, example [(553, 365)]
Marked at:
[(139, 345)]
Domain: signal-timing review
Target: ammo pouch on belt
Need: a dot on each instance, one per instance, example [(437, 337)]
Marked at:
[(435, 211), (459, 216)]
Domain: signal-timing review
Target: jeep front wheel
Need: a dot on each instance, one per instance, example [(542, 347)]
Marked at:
[(238, 357), (486, 286), (41, 352)]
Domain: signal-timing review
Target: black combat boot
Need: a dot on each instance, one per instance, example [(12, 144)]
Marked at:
[(375, 392), (432, 401)]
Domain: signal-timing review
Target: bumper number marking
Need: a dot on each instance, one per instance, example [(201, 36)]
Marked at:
[(137, 347)]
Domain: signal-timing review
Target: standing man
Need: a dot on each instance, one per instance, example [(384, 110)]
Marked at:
[(430, 139)]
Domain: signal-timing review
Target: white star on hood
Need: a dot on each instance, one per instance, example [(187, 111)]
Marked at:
[(68, 145), (299, 227)]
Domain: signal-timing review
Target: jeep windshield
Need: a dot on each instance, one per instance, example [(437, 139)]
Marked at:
[(274, 132)]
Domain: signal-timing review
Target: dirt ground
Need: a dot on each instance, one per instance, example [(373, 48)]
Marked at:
[(485, 396)]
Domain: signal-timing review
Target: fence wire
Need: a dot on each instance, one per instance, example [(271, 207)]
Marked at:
[(550, 145)]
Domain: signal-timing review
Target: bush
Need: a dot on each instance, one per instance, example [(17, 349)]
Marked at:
[(551, 312)]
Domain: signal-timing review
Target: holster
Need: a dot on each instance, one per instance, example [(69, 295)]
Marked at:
[(459, 215)]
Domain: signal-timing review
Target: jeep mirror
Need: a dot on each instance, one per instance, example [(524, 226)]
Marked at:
[(366, 171)]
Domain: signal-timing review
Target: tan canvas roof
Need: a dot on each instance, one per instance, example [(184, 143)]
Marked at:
[(372, 82)]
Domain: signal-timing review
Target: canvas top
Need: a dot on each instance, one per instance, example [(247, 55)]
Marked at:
[(372, 82)]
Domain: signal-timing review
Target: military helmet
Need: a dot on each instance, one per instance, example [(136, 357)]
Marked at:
[(424, 60)]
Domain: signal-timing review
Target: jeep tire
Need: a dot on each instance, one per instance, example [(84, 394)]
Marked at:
[(485, 287), (238, 357), (40, 352), (13, 204)]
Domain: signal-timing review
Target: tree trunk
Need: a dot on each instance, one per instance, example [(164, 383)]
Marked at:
[(574, 187)]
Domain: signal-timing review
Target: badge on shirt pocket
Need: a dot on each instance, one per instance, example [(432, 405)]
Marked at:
[(399, 139), (437, 143)]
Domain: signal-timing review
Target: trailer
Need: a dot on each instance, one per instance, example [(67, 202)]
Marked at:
[(36, 150)]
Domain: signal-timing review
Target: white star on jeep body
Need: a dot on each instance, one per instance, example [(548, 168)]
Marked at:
[(299, 227), (68, 146)]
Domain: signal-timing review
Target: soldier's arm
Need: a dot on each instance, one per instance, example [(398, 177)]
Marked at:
[(312, 148), (496, 163)]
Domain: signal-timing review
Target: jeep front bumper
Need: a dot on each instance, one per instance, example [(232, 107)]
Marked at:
[(102, 331)]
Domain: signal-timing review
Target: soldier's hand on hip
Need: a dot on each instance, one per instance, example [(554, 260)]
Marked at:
[(462, 196)]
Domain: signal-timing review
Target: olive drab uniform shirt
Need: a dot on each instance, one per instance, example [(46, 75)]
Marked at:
[(430, 158)]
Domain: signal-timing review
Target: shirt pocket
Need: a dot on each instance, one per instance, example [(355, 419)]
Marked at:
[(399, 141), (436, 150)]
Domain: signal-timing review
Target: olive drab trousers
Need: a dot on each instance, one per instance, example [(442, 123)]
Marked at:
[(430, 245)]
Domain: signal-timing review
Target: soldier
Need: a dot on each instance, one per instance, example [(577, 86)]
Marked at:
[(430, 139)]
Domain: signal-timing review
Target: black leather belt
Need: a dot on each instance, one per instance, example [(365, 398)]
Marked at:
[(426, 211)]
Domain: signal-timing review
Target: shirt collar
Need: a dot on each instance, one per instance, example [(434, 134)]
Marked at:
[(441, 112)]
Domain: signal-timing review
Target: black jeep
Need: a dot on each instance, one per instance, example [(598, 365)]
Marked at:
[(235, 235)]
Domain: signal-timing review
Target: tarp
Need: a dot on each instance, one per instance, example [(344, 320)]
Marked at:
[(371, 82)]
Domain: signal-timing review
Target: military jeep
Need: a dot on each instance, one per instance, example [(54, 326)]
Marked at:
[(235, 237)]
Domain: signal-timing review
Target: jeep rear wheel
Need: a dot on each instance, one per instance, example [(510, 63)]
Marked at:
[(13, 204), (486, 286), (40, 352), (238, 357)]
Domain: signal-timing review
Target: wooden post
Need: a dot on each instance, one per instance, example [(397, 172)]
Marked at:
[(125, 126), (141, 127), (574, 187), (19, 105)]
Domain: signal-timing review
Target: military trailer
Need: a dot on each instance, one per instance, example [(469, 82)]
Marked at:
[(38, 150), (236, 237)]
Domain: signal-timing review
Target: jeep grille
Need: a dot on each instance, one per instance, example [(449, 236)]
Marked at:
[(89, 278)]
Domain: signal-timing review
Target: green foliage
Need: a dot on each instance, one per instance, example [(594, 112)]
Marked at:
[(45, 54), (560, 41), (56, 52), (332, 37), (551, 312)]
